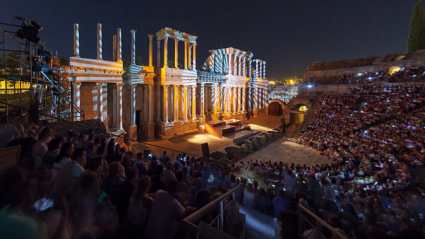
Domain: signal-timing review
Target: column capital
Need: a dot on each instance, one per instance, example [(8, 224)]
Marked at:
[(120, 84), (150, 36), (132, 31)]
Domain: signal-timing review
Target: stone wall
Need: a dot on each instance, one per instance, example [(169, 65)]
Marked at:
[(330, 70)]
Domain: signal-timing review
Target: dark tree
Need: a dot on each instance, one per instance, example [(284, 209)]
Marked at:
[(416, 38)]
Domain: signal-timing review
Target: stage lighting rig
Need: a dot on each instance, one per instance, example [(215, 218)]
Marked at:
[(29, 31)]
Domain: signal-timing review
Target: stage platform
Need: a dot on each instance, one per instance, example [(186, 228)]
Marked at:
[(241, 135), (232, 129)]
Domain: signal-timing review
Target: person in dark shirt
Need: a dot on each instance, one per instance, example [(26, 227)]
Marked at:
[(53, 150), (126, 190), (113, 182), (289, 222), (156, 181)]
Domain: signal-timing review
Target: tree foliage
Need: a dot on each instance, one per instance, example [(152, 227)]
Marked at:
[(290, 81), (416, 38)]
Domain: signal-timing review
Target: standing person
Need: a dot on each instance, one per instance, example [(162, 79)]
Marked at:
[(165, 213), (64, 157), (280, 204), (290, 183), (315, 190), (40, 147), (34, 112)]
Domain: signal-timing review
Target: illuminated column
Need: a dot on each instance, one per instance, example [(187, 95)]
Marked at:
[(264, 70), (165, 108), (114, 51), (76, 40), (158, 53), (189, 58), (244, 67), (119, 105), (119, 45), (202, 113), (240, 67), (151, 102), (185, 54), (185, 108), (194, 57), (216, 98), (239, 99), (75, 94), (256, 70), (211, 61), (150, 49), (133, 47), (249, 69), (235, 70), (165, 51), (176, 103), (243, 98), (176, 52), (233, 93), (194, 102), (255, 98), (99, 41), (229, 98), (99, 101)]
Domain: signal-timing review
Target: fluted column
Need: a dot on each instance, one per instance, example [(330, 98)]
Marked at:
[(264, 70), (235, 65), (240, 66), (185, 55), (202, 113), (76, 40), (165, 108), (185, 108), (216, 98), (239, 99), (194, 56), (176, 52), (244, 100), (158, 53), (256, 69), (99, 41), (133, 47), (151, 102), (234, 99), (176, 103), (150, 49), (194, 102), (189, 58), (165, 51), (244, 67), (119, 105), (119, 45), (249, 69)]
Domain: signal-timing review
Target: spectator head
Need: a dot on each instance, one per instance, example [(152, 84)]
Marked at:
[(90, 148), (67, 150), (139, 156), (255, 184), (159, 171), (79, 156), (54, 145), (164, 153), (100, 151), (172, 186), (96, 140), (114, 168), (95, 164), (203, 197), (144, 185), (179, 175), (199, 183), (131, 174), (169, 165), (289, 172)]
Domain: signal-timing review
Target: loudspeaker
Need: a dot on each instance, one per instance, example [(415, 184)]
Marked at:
[(205, 150)]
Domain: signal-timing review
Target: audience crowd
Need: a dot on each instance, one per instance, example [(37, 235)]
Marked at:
[(87, 186)]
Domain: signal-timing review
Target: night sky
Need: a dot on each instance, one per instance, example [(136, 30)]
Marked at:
[(288, 34)]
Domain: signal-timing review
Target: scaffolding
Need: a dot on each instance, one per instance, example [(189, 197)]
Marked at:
[(29, 72)]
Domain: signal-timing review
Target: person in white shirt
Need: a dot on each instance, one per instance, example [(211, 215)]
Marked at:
[(249, 199), (290, 183), (165, 213), (40, 147), (168, 172), (64, 156)]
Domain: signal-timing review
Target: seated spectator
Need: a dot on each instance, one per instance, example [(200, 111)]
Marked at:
[(168, 172), (40, 147), (113, 182), (203, 198), (64, 157), (139, 164), (140, 205), (264, 204), (157, 182), (166, 212), (199, 184), (126, 190), (53, 150), (249, 199)]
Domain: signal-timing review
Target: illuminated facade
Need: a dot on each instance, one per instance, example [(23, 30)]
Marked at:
[(147, 102)]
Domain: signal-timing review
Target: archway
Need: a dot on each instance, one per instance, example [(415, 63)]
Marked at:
[(393, 69), (276, 108)]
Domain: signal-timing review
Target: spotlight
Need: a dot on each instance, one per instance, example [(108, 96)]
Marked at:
[(310, 86)]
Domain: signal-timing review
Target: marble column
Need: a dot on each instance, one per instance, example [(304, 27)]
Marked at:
[(190, 56), (185, 105), (240, 66), (158, 53), (150, 49), (264, 70), (194, 102), (114, 48), (165, 105), (99, 101), (194, 56), (202, 113), (176, 52), (234, 99), (244, 100), (129, 111), (244, 67), (185, 55), (99, 41), (119, 105), (165, 51), (76, 40), (239, 99), (133, 47), (151, 124), (235, 65), (76, 99), (256, 69), (216, 99), (119, 45), (176, 103), (249, 69)]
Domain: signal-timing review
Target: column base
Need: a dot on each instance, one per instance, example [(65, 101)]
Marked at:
[(131, 133), (151, 131)]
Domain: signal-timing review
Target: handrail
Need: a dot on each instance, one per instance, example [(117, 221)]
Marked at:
[(325, 224), (188, 223)]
